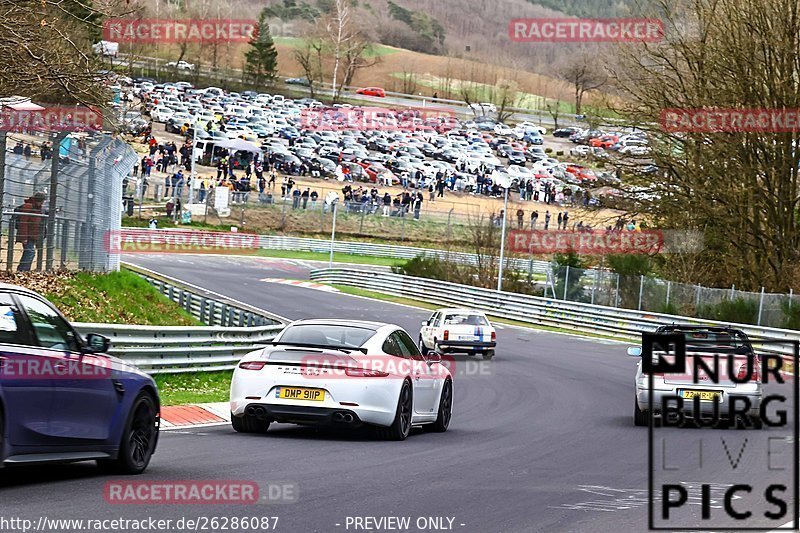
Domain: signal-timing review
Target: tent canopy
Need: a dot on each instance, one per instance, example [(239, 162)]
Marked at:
[(237, 145)]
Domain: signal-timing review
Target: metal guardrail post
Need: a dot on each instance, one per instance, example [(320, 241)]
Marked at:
[(12, 230), (203, 309), (641, 289), (566, 283), (594, 283), (669, 286), (616, 296), (760, 306)]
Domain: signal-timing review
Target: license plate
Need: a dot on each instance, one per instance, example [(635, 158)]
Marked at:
[(704, 395), (298, 393)]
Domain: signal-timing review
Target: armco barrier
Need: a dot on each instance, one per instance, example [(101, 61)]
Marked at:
[(579, 317), (166, 350)]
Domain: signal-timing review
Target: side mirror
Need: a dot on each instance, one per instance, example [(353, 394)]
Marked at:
[(424, 323), (433, 357), (96, 343), (635, 351)]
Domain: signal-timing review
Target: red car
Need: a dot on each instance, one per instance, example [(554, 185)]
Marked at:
[(371, 91), (581, 172), (606, 141)]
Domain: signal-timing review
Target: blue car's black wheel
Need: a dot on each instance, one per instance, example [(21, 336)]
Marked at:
[(138, 438)]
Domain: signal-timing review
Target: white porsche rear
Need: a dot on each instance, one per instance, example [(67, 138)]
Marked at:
[(342, 374)]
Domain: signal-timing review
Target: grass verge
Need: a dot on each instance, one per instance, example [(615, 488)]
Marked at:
[(337, 257), (194, 387)]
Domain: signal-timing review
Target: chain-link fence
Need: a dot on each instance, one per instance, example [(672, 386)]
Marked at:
[(61, 198), (646, 293)]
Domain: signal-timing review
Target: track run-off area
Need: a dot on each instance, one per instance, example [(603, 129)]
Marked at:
[(541, 439)]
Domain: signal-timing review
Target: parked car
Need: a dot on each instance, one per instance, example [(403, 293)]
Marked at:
[(63, 398), (566, 132), (298, 81)]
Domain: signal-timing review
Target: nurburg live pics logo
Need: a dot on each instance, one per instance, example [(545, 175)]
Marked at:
[(739, 450)]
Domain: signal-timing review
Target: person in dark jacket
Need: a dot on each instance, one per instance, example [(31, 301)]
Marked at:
[(29, 229)]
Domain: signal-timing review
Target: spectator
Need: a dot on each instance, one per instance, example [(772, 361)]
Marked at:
[(418, 204), (520, 218), (534, 219), (314, 197), (559, 219), (566, 219), (306, 194), (387, 202), (27, 151), (296, 198), (432, 192), (29, 229), (547, 219)]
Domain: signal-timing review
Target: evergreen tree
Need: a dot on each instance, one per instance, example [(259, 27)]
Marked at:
[(261, 66)]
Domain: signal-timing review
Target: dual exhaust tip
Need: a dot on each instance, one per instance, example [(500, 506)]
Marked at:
[(343, 417), (256, 411)]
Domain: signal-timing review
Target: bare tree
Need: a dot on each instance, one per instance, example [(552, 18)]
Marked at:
[(585, 76), (46, 53), (309, 57), (346, 43), (740, 188)]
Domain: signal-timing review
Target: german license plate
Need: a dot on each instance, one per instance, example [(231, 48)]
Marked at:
[(298, 393), (704, 395)]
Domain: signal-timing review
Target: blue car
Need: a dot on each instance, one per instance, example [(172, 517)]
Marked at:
[(289, 133), (63, 399)]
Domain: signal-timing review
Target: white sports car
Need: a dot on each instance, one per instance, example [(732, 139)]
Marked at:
[(342, 373), (458, 331)]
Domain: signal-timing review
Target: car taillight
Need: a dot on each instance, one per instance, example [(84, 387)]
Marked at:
[(252, 365), (743, 371), (446, 335), (494, 336), (365, 373)]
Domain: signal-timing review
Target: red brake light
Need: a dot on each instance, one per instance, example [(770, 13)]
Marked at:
[(753, 374), (252, 365), (365, 373), (494, 336), (446, 335)]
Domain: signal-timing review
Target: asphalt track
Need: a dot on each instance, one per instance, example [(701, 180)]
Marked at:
[(543, 443)]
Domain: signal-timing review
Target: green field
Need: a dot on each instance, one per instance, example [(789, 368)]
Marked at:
[(376, 50)]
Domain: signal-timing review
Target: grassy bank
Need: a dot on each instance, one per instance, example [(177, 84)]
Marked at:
[(115, 298), (199, 387)]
